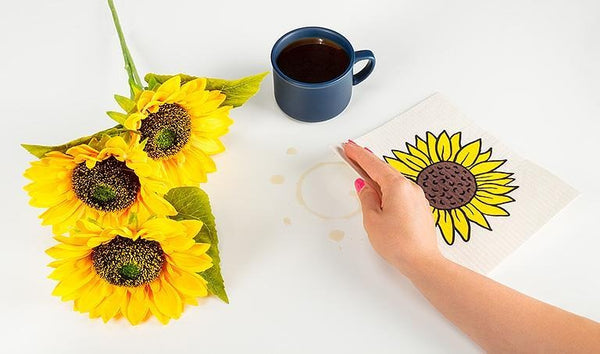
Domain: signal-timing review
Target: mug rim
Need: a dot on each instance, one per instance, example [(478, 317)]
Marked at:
[(303, 84)]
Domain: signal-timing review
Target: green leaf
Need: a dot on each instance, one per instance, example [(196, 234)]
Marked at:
[(117, 116), (192, 203), (125, 103), (237, 92), (40, 150)]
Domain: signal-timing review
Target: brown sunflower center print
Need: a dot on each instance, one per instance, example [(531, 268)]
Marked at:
[(461, 183)]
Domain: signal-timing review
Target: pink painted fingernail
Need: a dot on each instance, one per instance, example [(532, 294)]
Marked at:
[(369, 150), (359, 184), (350, 141)]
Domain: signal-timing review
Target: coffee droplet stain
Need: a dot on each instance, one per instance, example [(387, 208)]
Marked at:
[(287, 221), (291, 151), (336, 235), (277, 179)]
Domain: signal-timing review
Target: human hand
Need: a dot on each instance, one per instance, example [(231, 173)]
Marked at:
[(396, 214)]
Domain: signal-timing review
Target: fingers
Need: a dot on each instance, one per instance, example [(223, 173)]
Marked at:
[(378, 170), (368, 196)]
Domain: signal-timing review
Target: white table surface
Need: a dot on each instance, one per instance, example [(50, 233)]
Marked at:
[(527, 71)]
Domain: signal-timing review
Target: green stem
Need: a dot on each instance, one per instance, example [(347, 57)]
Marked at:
[(129, 65)]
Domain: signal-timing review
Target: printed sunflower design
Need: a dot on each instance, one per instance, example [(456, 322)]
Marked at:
[(181, 125), (460, 182), (131, 271), (110, 185)]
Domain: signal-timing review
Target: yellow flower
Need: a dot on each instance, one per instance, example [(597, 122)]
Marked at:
[(460, 182), (129, 270), (181, 125), (110, 185)]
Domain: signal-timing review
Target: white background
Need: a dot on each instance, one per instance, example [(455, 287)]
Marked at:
[(527, 71)]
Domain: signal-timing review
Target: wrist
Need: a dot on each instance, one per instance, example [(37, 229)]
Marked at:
[(420, 266)]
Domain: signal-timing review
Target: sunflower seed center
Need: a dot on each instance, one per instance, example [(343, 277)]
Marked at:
[(167, 131), (447, 185), (125, 262), (109, 186)]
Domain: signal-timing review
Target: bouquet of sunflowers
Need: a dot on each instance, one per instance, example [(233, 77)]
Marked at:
[(136, 235)]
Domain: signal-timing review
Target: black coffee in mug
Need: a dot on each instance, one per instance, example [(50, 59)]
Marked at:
[(313, 60)]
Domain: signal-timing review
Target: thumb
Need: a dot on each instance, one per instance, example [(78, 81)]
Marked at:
[(369, 199)]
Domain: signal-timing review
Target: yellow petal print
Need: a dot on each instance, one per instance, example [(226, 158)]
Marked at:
[(432, 147), (454, 146), (418, 153), (496, 188), (488, 209), (436, 215), (461, 224), (497, 182), (483, 156), (469, 153), (444, 148), (460, 182), (491, 176), (493, 199), (475, 215), (422, 145), (411, 161), (487, 166), (446, 226), (401, 167)]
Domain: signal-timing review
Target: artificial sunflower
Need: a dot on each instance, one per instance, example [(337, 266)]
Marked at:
[(109, 185), (132, 271), (181, 126), (460, 182)]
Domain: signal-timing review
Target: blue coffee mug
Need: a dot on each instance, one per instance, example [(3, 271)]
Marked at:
[(317, 102)]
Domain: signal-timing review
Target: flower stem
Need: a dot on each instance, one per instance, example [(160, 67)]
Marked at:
[(134, 78)]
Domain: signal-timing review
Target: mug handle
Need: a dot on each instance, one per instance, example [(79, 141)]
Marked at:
[(361, 55)]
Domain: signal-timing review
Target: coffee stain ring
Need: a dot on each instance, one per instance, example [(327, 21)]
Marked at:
[(300, 197)]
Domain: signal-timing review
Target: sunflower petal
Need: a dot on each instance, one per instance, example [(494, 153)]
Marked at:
[(73, 282), (111, 305), (446, 226), (137, 308), (444, 149), (190, 284), (488, 209), (483, 156), (421, 145), (418, 154), (496, 188), (476, 216), (167, 300), (409, 160), (493, 199), (487, 166), (461, 223), (491, 176), (469, 153), (454, 146), (401, 166), (432, 147)]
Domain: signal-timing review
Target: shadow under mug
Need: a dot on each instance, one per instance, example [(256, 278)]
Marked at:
[(317, 102)]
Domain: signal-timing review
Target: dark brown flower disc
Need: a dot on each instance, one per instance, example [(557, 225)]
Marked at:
[(166, 132), (127, 262), (447, 185), (109, 186)]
